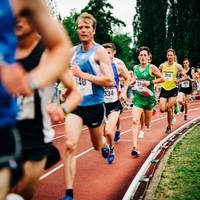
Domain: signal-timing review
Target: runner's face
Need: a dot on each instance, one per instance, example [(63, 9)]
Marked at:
[(85, 30), (186, 63), (23, 27), (110, 53), (143, 57), (170, 56)]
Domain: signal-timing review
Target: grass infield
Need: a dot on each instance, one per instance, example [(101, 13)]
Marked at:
[(181, 178)]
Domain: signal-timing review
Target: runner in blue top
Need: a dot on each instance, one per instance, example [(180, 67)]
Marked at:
[(112, 103), (11, 73), (92, 70)]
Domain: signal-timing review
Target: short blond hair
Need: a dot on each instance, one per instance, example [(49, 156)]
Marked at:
[(86, 15)]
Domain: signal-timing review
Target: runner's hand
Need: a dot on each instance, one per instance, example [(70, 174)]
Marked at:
[(14, 80), (56, 113)]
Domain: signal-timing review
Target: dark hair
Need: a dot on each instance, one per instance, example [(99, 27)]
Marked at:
[(186, 59), (144, 48), (109, 45)]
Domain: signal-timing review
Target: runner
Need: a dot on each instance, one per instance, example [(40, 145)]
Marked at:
[(34, 125), (169, 90), (144, 98), (120, 66), (186, 87), (92, 71), (112, 103), (11, 74)]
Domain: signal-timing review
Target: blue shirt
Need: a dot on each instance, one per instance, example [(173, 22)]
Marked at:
[(8, 106), (92, 94)]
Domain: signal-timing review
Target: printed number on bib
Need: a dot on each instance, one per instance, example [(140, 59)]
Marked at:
[(27, 107), (185, 84), (110, 95), (168, 76), (138, 85), (84, 86)]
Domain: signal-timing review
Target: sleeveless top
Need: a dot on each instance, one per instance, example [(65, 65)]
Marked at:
[(140, 77), (186, 86), (92, 94), (33, 118), (169, 74), (8, 106), (111, 93)]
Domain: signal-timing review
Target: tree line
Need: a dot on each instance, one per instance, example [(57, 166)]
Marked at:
[(158, 24)]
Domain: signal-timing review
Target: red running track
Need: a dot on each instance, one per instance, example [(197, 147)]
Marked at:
[(97, 180)]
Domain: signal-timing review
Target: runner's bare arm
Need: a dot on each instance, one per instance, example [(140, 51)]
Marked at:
[(57, 56), (122, 70), (106, 78), (157, 74)]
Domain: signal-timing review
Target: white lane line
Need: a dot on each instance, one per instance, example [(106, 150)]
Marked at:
[(83, 153), (90, 149)]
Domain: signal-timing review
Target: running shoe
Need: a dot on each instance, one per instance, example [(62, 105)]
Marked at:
[(105, 151), (68, 198), (182, 108), (135, 153), (185, 117), (141, 134), (173, 120), (117, 136), (111, 156), (13, 196), (176, 110), (168, 130)]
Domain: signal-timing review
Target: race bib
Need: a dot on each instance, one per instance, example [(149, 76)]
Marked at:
[(110, 95), (84, 86), (138, 85), (26, 106), (185, 84), (168, 76)]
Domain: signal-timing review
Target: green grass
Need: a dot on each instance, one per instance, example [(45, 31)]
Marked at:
[(181, 178)]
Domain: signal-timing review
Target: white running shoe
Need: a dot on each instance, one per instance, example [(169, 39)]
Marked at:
[(141, 134), (173, 120), (13, 196)]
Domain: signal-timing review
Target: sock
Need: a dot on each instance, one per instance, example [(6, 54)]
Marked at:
[(69, 192)]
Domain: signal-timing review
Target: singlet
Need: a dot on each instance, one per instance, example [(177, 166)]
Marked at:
[(33, 118), (141, 76), (92, 94), (170, 75), (8, 106), (186, 86), (111, 93)]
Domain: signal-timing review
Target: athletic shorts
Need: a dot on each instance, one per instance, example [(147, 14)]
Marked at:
[(186, 91), (35, 149), (10, 147), (10, 153), (168, 93), (92, 116), (146, 103), (113, 107)]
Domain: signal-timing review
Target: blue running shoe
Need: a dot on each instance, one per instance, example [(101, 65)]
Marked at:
[(117, 136), (111, 156), (105, 151), (68, 198)]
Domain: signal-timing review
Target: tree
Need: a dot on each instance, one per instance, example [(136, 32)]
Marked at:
[(70, 24), (101, 10), (124, 51), (193, 33)]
